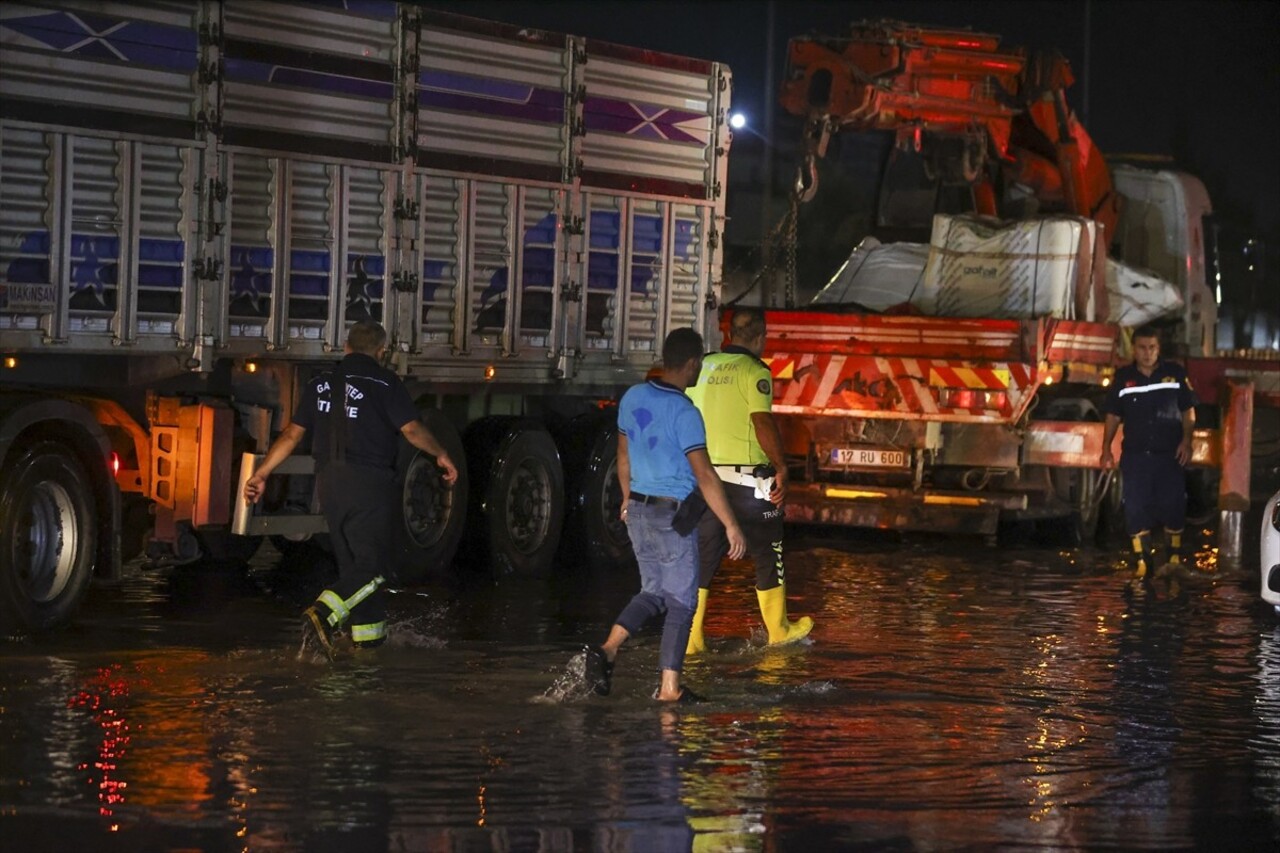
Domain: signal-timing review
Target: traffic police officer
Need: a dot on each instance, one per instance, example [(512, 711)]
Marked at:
[(735, 395), (1155, 401), (355, 472)]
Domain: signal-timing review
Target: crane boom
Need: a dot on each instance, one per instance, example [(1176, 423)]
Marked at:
[(984, 116)]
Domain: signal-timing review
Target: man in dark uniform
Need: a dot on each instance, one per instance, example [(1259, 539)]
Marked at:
[(355, 473), (734, 393), (1155, 401)]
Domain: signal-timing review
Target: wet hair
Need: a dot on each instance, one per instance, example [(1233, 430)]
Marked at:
[(681, 346), (747, 324), (1147, 331), (366, 337)]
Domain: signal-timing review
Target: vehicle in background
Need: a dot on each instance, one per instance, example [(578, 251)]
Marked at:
[(1269, 552), (197, 199), (972, 394)]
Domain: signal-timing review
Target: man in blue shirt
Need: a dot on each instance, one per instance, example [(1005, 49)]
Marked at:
[(1154, 400), (662, 463)]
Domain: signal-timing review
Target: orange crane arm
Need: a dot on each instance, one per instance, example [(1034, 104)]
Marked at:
[(974, 110)]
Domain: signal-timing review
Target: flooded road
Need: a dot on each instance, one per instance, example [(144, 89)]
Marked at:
[(954, 697)]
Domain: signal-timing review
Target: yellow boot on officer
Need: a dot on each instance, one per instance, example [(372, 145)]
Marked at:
[(773, 607), (697, 642)]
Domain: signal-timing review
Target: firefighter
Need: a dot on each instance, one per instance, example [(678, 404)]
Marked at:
[(735, 395), (1154, 400), (355, 476)]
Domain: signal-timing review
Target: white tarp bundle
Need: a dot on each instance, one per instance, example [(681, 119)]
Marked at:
[(1139, 296), (976, 268), (1045, 267), (878, 276)]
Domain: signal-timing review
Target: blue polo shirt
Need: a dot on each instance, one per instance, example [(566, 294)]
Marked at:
[(661, 425), (1150, 406)]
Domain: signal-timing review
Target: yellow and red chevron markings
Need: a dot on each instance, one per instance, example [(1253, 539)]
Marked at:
[(921, 368), (828, 384)]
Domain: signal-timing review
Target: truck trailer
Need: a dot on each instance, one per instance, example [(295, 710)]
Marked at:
[(198, 198)]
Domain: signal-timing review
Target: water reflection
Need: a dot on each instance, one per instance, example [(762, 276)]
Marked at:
[(954, 696)]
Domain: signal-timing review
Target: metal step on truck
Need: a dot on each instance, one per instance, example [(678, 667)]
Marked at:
[(198, 198)]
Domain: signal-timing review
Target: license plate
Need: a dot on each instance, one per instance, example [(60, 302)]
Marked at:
[(869, 457)]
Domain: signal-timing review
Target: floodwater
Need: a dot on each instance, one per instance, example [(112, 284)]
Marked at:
[(954, 697)]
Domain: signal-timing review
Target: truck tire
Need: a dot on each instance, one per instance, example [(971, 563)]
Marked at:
[(599, 499), (1078, 488), (48, 537), (517, 500), (432, 514), (1111, 511), (594, 535)]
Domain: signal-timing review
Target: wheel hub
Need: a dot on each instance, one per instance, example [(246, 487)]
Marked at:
[(46, 556)]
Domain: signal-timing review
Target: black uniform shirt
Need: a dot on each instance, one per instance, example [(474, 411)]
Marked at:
[(1150, 406), (378, 405)]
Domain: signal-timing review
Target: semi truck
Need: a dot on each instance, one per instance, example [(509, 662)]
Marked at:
[(198, 198), (972, 394)]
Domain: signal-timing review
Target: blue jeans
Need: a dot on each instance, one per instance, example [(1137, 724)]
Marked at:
[(668, 579)]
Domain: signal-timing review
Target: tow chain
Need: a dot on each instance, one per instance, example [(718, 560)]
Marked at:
[(793, 232)]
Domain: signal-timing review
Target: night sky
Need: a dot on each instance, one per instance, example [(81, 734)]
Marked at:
[(1195, 81)]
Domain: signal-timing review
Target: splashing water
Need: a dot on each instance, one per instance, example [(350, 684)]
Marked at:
[(570, 685)]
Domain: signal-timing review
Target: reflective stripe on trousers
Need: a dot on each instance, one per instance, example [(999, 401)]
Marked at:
[(340, 611), (368, 633)]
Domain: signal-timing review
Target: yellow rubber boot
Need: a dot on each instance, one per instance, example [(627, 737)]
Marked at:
[(1175, 546), (697, 642), (773, 607), (1141, 554)]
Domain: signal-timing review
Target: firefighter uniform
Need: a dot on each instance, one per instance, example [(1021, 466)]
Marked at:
[(356, 478), (1155, 488), (734, 385)]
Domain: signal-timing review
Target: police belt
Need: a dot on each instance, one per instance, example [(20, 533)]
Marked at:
[(739, 475)]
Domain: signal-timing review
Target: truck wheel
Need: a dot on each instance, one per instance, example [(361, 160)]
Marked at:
[(594, 534), (49, 537), (1078, 488), (433, 514), (1111, 511), (599, 497), (517, 507)]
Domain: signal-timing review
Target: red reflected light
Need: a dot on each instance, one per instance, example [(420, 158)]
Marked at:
[(115, 463)]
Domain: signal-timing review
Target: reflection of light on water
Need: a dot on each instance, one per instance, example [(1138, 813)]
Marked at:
[(726, 787), (106, 686), (1267, 711), (151, 751)]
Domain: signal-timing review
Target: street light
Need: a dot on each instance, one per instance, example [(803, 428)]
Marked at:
[(737, 121)]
